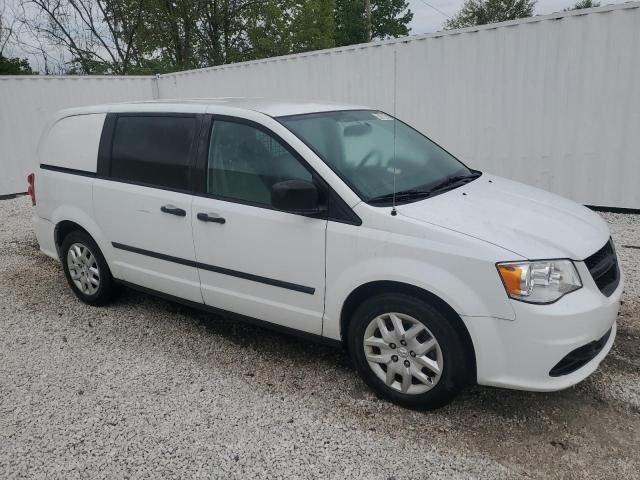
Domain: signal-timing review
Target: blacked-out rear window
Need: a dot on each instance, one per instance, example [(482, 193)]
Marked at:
[(153, 150)]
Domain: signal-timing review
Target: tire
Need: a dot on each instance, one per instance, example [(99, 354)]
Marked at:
[(83, 269), (407, 374)]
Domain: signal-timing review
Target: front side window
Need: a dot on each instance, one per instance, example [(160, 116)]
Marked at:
[(244, 163), (153, 150), (368, 148)]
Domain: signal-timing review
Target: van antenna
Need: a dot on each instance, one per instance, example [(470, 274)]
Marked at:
[(394, 212)]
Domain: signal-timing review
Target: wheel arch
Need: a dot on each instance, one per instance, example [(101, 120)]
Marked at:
[(368, 290), (67, 218), (64, 228), (70, 220)]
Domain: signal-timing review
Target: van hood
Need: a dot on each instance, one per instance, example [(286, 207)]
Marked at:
[(530, 222)]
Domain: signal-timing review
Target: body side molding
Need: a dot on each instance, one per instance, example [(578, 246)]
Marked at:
[(212, 268)]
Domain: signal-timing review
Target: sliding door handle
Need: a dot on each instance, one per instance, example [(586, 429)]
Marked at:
[(210, 217), (173, 210)]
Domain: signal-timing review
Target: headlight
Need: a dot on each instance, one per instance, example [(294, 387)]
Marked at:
[(541, 281)]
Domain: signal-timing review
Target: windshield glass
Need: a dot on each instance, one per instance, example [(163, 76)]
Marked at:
[(364, 147)]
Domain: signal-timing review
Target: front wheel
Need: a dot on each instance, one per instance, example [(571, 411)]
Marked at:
[(407, 351)]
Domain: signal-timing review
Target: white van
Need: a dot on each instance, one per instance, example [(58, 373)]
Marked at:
[(336, 222)]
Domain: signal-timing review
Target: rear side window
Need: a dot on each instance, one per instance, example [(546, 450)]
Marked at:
[(153, 151)]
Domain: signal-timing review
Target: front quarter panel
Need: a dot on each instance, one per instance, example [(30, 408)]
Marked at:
[(457, 268)]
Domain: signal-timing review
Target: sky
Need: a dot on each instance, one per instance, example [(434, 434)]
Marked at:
[(427, 19)]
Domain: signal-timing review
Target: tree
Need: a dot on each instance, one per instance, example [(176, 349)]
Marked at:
[(14, 66), (9, 65), (269, 30), (281, 27), (313, 26), (389, 18), (6, 31), (158, 36), (583, 4), (221, 28), (98, 35), (350, 22), (482, 12), (166, 37)]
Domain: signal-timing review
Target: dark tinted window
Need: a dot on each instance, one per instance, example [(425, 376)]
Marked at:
[(245, 162), (153, 150)]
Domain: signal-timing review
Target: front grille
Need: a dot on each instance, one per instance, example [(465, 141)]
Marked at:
[(579, 357), (603, 266)]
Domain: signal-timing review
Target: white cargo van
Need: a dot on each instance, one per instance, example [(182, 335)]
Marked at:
[(337, 222)]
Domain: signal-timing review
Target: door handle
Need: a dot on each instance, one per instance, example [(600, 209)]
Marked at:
[(211, 217), (173, 210)]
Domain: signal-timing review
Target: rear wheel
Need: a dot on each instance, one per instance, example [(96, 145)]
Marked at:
[(407, 351), (86, 269)]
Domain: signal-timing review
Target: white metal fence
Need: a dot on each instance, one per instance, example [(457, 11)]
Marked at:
[(552, 101), (28, 103)]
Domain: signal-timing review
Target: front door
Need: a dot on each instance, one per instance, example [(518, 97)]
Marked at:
[(252, 259)]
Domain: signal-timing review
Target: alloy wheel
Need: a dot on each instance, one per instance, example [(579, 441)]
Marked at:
[(403, 353), (83, 268)]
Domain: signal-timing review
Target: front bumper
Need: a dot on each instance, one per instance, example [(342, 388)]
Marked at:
[(520, 354)]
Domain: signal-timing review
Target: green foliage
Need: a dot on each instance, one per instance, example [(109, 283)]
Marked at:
[(87, 66), (159, 36), (482, 12), (166, 36), (269, 30), (313, 26), (14, 66), (583, 4), (389, 18), (351, 22)]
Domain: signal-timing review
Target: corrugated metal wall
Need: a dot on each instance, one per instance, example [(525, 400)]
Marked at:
[(552, 101), (27, 104)]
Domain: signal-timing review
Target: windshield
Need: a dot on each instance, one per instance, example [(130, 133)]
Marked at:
[(364, 147)]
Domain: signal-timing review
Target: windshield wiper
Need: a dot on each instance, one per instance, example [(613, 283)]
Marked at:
[(415, 194), (401, 196), (452, 182)]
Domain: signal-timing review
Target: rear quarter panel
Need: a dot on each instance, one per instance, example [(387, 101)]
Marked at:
[(70, 145), (68, 197)]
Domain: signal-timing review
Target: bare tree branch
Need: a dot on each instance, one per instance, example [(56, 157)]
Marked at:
[(96, 33)]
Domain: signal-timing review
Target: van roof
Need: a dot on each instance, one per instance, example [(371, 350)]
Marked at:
[(271, 107)]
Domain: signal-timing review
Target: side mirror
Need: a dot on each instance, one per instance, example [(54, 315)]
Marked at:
[(296, 196)]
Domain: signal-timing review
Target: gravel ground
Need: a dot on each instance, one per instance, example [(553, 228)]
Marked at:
[(149, 389)]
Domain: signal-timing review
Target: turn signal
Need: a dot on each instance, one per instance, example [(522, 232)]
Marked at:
[(513, 277)]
